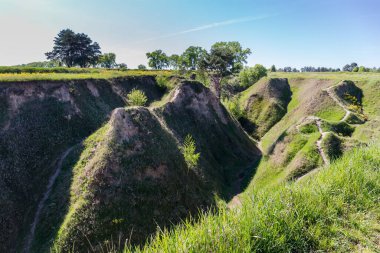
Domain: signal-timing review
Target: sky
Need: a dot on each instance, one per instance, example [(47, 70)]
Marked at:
[(294, 33)]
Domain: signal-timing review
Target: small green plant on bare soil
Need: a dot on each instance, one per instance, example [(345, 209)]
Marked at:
[(188, 150)]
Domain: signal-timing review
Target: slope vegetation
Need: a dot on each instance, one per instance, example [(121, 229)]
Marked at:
[(335, 211), (263, 105), (38, 121), (317, 129), (132, 177)]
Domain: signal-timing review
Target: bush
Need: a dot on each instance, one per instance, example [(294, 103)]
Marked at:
[(141, 67), (234, 107), (163, 82), (137, 98), (188, 151), (249, 76)]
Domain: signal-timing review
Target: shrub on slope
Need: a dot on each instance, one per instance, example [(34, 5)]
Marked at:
[(336, 210)]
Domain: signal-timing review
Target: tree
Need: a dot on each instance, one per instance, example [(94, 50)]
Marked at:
[(175, 61), (74, 49), (350, 67), (273, 68), (240, 55), (141, 67), (249, 76), (107, 60), (157, 59), (224, 59), (192, 57), (122, 66)]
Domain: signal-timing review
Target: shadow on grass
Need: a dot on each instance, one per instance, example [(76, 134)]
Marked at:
[(57, 205)]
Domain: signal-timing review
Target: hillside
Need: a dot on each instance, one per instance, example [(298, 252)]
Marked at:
[(334, 211), (325, 118), (39, 120), (138, 147), (263, 105), (80, 170)]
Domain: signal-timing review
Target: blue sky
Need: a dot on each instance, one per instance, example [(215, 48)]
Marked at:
[(285, 33)]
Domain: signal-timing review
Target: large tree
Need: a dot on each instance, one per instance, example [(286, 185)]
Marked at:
[(157, 59), (224, 59), (192, 57), (73, 49), (240, 55)]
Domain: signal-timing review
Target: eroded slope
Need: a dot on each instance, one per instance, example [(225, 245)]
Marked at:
[(38, 121), (135, 176)]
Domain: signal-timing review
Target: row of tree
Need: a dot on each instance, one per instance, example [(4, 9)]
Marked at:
[(353, 67), (222, 60)]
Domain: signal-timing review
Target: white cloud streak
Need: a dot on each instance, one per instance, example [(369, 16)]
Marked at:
[(211, 26)]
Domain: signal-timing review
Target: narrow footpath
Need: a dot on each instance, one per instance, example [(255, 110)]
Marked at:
[(45, 197)]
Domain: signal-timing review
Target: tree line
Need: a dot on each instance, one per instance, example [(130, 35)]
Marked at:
[(224, 59), (353, 67)]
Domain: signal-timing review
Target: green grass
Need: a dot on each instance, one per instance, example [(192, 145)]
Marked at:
[(78, 75), (336, 211), (263, 105), (328, 76), (340, 128), (331, 113)]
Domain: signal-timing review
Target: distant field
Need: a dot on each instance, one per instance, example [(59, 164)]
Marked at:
[(353, 76), (16, 74)]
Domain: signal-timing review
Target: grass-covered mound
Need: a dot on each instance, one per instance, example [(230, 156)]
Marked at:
[(337, 210), (227, 152), (350, 95), (38, 121), (263, 105), (132, 174), (294, 155), (128, 181)]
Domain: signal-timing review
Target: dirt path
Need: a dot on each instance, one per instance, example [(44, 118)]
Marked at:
[(318, 122), (46, 195), (319, 142)]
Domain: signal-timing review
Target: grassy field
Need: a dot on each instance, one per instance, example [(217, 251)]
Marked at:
[(58, 74), (353, 76), (336, 211)]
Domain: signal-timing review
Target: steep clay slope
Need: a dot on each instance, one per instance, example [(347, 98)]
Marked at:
[(38, 121), (132, 176), (263, 105), (225, 147)]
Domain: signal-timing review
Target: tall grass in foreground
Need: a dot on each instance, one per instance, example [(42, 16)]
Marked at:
[(336, 210)]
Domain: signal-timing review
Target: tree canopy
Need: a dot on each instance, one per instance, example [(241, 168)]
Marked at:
[(192, 57), (107, 60), (251, 75), (157, 59), (224, 59), (74, 49)]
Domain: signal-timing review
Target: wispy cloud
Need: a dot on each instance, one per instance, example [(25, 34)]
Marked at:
[(211, 26)]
